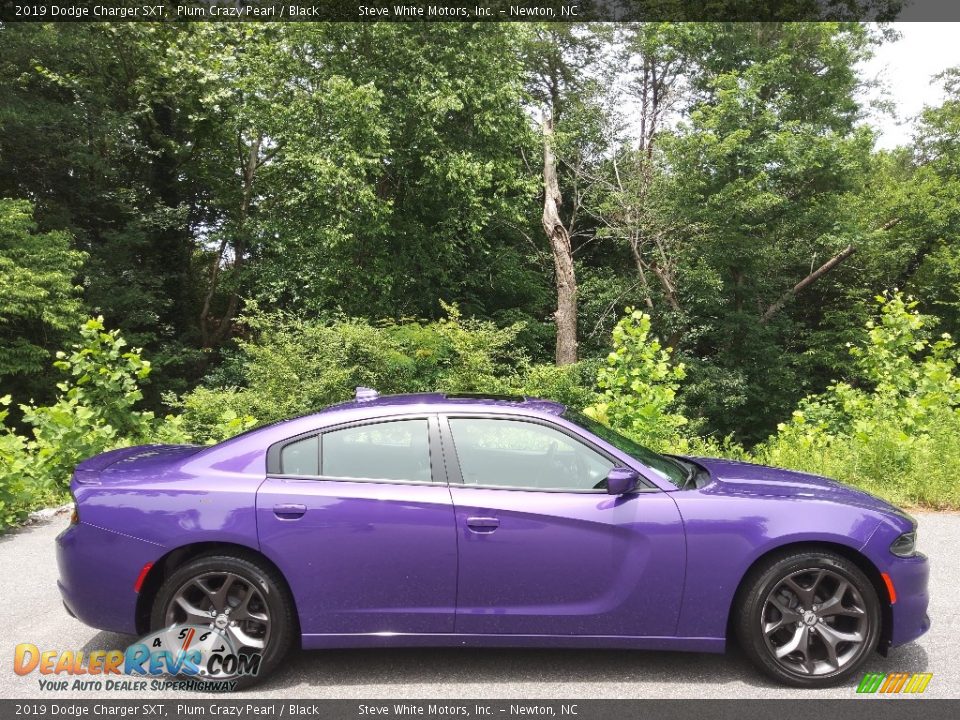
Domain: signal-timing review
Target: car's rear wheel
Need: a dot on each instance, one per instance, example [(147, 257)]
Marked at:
[(246, 602), (808, 619)]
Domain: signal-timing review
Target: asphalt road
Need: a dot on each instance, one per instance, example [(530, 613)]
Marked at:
[(31, 612)]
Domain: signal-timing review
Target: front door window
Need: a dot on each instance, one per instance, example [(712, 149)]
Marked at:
[(525, 455)]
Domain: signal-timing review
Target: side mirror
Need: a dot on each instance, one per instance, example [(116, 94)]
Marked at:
[(621, 481)]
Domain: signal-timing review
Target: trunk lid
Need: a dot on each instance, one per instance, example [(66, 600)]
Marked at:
[(118, 465)]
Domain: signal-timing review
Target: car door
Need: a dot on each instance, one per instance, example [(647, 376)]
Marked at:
[(360, 522), (543, 549)]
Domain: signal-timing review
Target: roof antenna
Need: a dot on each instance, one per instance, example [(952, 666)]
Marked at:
[(363, 394)]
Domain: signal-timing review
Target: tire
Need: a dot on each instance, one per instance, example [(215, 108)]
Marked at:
[(785, 637), (254, 592)]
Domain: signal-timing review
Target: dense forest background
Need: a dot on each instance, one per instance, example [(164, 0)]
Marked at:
[(272, 212)]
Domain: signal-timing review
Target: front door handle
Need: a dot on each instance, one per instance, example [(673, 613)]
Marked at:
[(483, 524), (289, 511)]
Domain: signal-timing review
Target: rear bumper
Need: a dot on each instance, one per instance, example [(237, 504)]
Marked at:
[(98, 569)]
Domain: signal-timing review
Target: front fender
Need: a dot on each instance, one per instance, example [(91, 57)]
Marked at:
[(726, 536)]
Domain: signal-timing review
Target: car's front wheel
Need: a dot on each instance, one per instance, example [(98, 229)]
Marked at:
[(808, 619), (246, 602)]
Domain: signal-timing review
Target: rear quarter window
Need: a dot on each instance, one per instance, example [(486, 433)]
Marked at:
[(301, 457)]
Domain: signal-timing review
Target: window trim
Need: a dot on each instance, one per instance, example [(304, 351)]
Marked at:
[(435, 453), (452, 459)]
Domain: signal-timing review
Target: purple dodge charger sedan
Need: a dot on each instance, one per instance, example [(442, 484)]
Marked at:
[(447, 520)]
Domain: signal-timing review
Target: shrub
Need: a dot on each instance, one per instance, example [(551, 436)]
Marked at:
[(893, 430), (293, 366), (17, 497), (639, 384), (38, 300), (573, 385), (94, 410)]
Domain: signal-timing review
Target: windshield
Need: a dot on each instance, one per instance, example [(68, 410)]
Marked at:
[(669, 469)]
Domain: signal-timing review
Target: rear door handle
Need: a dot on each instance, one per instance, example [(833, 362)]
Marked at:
[(289, 511), (483, 524)]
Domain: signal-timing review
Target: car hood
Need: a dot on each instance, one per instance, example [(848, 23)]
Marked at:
[(731, 477)]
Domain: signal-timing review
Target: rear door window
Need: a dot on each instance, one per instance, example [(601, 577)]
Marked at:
[(394, 450)]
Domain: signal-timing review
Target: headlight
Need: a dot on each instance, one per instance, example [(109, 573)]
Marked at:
[(905, 545)]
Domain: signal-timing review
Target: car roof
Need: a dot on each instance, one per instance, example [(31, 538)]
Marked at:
[(437, 401), (362, 408)]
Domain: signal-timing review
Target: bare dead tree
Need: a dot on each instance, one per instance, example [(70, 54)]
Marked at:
[(559, 61), (805, 283), (559, 236), (656, 69), (815, 275)]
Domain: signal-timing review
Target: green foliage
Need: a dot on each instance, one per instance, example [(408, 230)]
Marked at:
[(573, 384), (293, 366), (95, 132), (440, 139), (639, 384), (17, 494), (759, 179), (894, 432), (388, 174), (38, 299), (923, 192), (94, 411)]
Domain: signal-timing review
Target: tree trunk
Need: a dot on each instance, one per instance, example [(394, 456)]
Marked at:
[(806, 282), (566, 280), (213, 331), (172, 249), (638, 261), (669, 291)]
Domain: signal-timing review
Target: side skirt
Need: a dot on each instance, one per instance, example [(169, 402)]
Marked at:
[(388, 639)]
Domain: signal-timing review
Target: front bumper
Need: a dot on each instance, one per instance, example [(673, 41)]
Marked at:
[(905, 619), (909, 613), (98, 570)]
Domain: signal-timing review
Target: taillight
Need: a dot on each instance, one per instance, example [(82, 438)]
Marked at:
[(75, 513)]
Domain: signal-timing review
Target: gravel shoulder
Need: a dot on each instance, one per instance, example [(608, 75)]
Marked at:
[(32, 612)]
